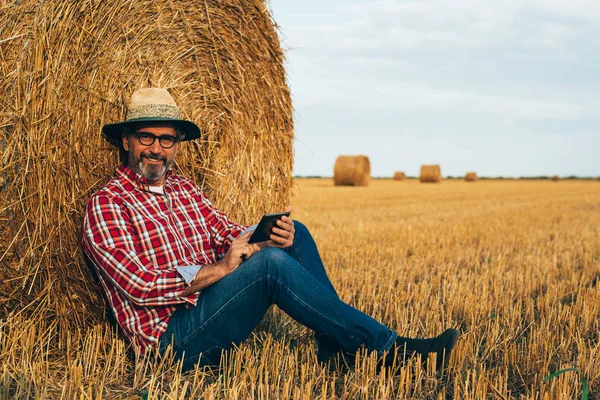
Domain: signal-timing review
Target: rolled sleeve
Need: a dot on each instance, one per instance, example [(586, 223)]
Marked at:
[(249, 229), (188, 272)]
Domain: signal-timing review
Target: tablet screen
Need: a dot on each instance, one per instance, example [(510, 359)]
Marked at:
[(262, 232)]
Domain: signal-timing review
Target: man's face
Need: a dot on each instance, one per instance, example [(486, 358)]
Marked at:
[(152, 161)]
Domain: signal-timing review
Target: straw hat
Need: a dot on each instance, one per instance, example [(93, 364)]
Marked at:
[(151, 105)]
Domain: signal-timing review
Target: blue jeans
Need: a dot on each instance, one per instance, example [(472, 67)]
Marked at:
[(295, 280)]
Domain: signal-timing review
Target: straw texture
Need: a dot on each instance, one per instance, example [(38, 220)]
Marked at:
[(65, 69), (352, 171), (430, 174)]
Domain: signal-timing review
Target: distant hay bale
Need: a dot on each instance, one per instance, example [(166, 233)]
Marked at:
[(399, 176), (352, 171), (430, 174), (555, 178), (471, 177), (66, 67)]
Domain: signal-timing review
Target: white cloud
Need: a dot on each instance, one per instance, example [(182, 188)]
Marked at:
[(519, 69)]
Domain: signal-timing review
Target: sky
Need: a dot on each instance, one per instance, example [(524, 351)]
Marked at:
[(500, 87)]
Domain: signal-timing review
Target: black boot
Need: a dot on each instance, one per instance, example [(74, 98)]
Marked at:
[(330, 352), (405, 348), (442, 347)]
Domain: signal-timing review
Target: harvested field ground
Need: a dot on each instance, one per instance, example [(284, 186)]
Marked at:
[(514, 264)]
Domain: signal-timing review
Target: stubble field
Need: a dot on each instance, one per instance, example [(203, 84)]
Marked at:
[(515, 265)]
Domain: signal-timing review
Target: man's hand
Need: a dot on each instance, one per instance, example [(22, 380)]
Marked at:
[(239, 250), (211, 273), (282, 235)]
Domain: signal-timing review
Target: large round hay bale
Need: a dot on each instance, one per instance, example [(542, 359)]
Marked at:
[(352, 171), (471, 177), (555, 178), (65, 69), (399, 176), (430, 173)]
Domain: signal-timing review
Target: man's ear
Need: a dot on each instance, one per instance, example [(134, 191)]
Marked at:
[(125, 141)]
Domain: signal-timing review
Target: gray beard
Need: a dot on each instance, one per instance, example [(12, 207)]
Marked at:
[(150, 172)]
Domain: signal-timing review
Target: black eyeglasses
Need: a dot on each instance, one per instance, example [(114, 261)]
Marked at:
[(147, 139)]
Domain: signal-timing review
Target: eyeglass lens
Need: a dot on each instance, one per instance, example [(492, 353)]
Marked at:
[(147, 139)]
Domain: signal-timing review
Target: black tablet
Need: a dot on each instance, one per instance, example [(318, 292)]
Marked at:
[(263, 232)]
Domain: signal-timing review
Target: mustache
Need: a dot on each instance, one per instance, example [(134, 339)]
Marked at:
[(154, 157)]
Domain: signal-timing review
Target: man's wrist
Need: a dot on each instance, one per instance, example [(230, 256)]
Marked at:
[(219, 266), (206, 276)]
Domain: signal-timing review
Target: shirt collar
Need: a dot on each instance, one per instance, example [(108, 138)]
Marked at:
[(136, 179)]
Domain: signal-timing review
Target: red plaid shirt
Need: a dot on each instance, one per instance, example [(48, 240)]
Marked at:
[(136, 238)]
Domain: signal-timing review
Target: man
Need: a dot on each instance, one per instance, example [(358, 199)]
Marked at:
[(176, 271)]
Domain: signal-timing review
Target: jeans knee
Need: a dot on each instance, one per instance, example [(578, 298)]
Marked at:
[(270, 262), (272, 255), (301, 230)]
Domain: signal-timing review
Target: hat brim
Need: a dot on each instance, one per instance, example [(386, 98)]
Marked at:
[(113, 131)]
